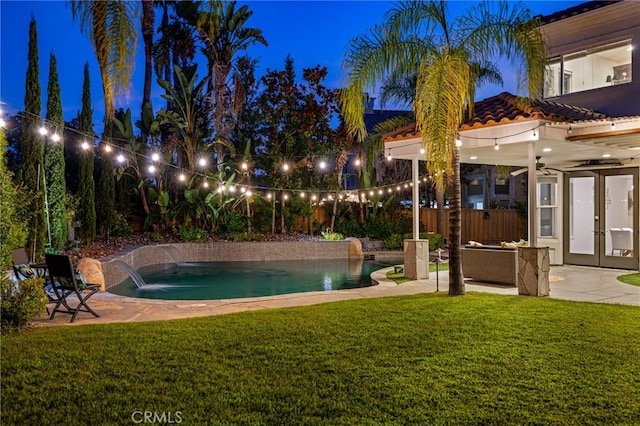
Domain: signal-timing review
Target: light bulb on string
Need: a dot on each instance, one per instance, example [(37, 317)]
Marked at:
[(205, 184), (458, 141), (202, 162), (243, 189), (43, 131), (232, 188), (313, 197), (244, 165), (220, 189), (285, 167), (120, 158), (269, 196), (285, 196), (357, 162), (248, 193), (495, 145), (107, 148), (422, 151), (322, 165), (152, 169), (302, 194), (84, 145), (155, 156), (55, 137), (182, 177)]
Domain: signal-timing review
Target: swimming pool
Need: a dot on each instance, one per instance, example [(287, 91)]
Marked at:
[(230, 280)]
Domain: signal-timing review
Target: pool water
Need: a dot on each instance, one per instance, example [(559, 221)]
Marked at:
[(230, 280)]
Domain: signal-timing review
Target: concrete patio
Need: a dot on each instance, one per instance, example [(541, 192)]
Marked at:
[(576, 283)]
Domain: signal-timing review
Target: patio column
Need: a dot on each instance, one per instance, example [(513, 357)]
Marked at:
[(415, 207), (532, 191)]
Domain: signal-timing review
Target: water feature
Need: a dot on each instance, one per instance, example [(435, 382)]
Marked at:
[(137, 279), (230, 280), (174, 254)]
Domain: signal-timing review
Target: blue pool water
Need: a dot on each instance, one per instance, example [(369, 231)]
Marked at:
[(230, 280)]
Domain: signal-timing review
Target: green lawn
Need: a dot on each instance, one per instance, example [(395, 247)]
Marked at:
[(424, 359), (399, 278), (633, 279)]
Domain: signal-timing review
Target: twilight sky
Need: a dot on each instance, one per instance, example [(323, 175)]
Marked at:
[(313, 32)]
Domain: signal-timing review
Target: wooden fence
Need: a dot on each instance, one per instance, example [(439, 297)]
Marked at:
[(484, 226)]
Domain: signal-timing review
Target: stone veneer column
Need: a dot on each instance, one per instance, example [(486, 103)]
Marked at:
[(533, 271), (416, 259)]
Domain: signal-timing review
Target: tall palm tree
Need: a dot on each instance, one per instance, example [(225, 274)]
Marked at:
[(111, 27), (447, 55), (147, 22), (222, 28)]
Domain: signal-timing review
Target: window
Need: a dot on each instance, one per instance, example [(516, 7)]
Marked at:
[(501, 186), (547, 207), (475, 192), (588, 69)]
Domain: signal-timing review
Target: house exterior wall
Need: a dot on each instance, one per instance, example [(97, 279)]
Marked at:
[(613, 23)]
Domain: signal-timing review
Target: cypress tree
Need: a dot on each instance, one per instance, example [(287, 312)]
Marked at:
[(106, 194), (86, 183), (54, 161), (32, 144)]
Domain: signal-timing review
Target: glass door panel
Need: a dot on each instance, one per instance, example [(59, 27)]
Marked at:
[(619, 210), (582, 236)]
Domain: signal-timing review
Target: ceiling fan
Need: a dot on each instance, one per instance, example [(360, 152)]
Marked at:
[(539, 166)]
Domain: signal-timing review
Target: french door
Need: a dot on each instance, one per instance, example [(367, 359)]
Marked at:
[(601, 218)]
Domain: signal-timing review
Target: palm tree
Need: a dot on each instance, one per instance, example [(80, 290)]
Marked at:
[(447, 56), (147, 22), (110, 25), (222, 28)]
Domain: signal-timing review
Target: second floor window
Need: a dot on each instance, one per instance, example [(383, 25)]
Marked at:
[(588, 69)]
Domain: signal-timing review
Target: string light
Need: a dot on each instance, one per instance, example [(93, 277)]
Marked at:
[(422, 151), (202, 162), (108, 146), (55, 137), (249, 194), (495, 145)]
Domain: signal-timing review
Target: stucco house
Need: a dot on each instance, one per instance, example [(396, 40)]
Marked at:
[(579, 143)]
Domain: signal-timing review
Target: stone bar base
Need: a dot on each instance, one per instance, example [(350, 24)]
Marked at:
[(416, 259), (533, 271)]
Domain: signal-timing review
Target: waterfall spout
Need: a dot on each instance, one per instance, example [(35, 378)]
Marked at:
[(132, 273), (174, 254)]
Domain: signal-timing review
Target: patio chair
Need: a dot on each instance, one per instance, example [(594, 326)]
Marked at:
[(66, 282)]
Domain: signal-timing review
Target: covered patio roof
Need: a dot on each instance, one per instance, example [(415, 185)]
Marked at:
[(565, 136)]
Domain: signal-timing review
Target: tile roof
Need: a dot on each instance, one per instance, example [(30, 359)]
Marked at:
[(574, 10), (506, 108)]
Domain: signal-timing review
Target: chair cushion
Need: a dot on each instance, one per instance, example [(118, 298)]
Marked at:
[(26, 271)]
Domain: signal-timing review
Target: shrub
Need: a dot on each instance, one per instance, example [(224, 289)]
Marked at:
[(435, 240), (232, 221), (21, 303), (394, 241), (242, 236), (120, 227), (332, 236), (349, 227), (188, 233)]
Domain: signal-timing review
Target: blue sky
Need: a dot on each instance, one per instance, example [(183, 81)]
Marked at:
[(313, 32)]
